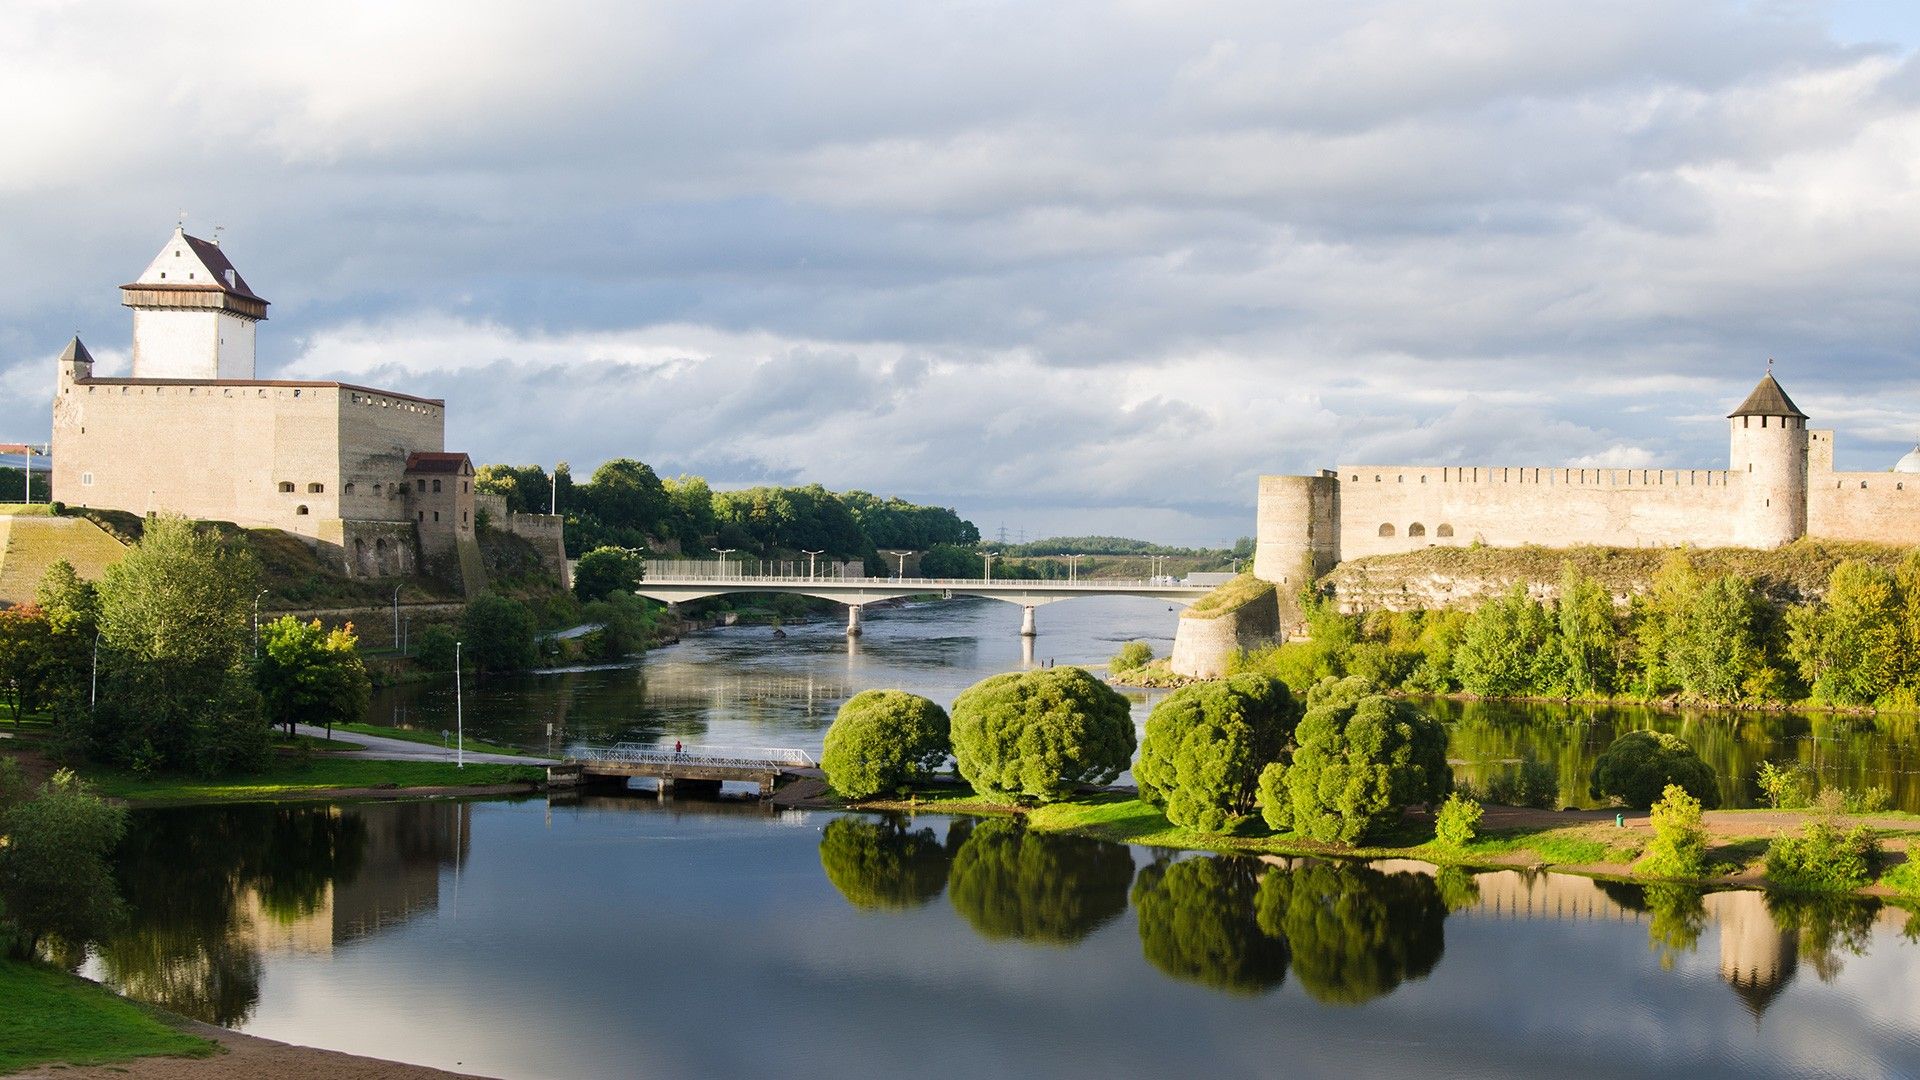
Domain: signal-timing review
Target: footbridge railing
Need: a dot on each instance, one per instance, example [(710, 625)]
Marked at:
[(715, 757)]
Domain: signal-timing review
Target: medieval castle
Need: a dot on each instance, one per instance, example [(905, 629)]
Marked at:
[(362, 474), (1779, 485)]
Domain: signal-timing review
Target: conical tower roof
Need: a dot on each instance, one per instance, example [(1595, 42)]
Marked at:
[(1768, 399), (76, 352)]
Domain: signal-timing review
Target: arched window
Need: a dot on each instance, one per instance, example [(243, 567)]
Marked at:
[(315, 489), (301, 509), (348, 490), (436, 487), (1416, 529), (1443, 530), (1386, 529), (286, 485), (376, 491)]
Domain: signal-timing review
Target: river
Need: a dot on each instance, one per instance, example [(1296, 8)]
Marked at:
[(620, 936)]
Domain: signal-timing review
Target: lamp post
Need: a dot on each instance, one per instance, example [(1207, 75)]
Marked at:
[(396, 615), (810, 555), (93, 680), (256, 622), (723, 553), (459, 715), (902, 556), (1073, 566), (989, 557)]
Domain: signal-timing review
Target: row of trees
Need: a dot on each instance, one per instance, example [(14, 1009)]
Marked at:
[(624, 504), (1710, 638), (157, 668)]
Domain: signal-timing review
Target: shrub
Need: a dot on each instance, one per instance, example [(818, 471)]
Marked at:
[(433, 648), (1132, 656), (604, 571), (1205, 746), (1454, 824), (883, 740), (1361, 758), (1276, 806), (1679, 845), (1640, 765), (1788, 788), (497, 634), (1040, 734), (1823, 858), (55, 882), (1532, 783)]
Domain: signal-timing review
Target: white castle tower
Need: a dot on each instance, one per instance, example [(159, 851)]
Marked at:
[(1769, 463), (193, 314)]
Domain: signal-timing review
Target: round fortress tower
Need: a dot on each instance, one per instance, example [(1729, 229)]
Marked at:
[(1769, 465), (1299, 529)]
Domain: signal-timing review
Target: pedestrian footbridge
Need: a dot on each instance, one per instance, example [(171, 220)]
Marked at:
[(701, 768), (674, 588)]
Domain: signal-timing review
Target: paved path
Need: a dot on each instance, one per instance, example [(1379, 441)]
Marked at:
[(380, 748)]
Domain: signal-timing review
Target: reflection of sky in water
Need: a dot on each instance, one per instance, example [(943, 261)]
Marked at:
[(622, 938)]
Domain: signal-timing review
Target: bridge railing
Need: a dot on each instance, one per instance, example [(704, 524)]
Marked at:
[(929, 584), (725, 757)]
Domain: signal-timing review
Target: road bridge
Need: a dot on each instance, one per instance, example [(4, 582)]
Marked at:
[(674, 588), (698, 767)]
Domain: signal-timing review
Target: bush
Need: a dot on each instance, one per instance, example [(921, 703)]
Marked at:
[(497, 634), (1206, 745), (604, 571), (55, 884), (1823, 858), (1360, 759), (1040, 734), (1789, 788), (433, 648), (1640, 765), (1532, 783), (884, 740), (1454, 824), (1679, 845), (1132, 656)]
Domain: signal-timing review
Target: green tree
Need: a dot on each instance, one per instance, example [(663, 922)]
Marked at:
[(496, 634), (55, 881), (1132, 656), (25, 643), (1823, 858), (1679, 845), (1360, 759), (1205, 746), (691, 503), (1589, 634), (1197, 924), (883, 864), (884, 740), (526, 488), (626, 495), (1851, 647), (606, 570), (433, 648), (951, 561), (1454, 824), (626, 624), (1010, 882), (1510, 646), (311, 674), (1041, 734), (175, 692), (1639, 765), (1356, 933), (1720, 654)]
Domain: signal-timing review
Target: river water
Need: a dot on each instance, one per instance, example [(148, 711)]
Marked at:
[(619, 936)]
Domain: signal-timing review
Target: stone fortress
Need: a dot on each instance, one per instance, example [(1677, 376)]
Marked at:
[(360, 473), (1779, 485)]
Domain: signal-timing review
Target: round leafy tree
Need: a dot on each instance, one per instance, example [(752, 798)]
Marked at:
[(1012, 883), (883, 865), (883, 740), (1359, 759), (1197, 923), (1040, 734), (1356, 933), (1205, 746), (1640, 764)]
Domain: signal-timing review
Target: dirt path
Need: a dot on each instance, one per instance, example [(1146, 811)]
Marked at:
[(245, 1057)]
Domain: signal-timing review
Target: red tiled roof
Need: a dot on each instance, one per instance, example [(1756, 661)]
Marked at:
[(436, 461)]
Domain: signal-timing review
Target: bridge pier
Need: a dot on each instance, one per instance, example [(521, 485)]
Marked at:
[(853, 620), (1027, 628)]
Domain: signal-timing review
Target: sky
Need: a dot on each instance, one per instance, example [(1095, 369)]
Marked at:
[(1068, 268)]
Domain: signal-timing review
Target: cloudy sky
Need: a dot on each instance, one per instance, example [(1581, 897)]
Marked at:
[(1068, 267)]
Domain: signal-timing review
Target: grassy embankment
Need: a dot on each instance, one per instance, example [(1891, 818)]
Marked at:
[(426, 738), (1589, 847), (291, 778), (51, 1017)]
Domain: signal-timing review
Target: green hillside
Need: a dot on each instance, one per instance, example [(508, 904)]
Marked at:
[(30, 544)]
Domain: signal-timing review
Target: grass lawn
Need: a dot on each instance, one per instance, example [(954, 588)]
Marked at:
[(53, 1017), (291, 777), (429, 738)]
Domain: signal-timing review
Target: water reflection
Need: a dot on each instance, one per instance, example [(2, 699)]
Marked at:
[(1198, 923), (209, 890), (1356, 932), (1009, 882), (884, 864)]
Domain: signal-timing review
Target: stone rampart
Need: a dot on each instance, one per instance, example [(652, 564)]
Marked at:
[(1203, 646)]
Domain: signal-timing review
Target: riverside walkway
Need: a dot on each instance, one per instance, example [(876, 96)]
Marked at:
[(696, 580), (701, 768)]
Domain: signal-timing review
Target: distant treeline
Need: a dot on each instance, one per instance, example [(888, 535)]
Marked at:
[(13, 483), (1120, 545), (624, 504), (1690, 636)]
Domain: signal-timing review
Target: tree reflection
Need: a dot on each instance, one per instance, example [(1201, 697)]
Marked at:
[(1198, 924), (1678, 915), (883, 864), (1012, 883), (1356, 933), (1829, 928)]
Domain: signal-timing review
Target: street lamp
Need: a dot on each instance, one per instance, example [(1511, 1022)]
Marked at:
[(810, 555), (396, 614), (723, 553), (459, 716), (1073, 566), (902, 556), (989, 556), (256, 622)]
